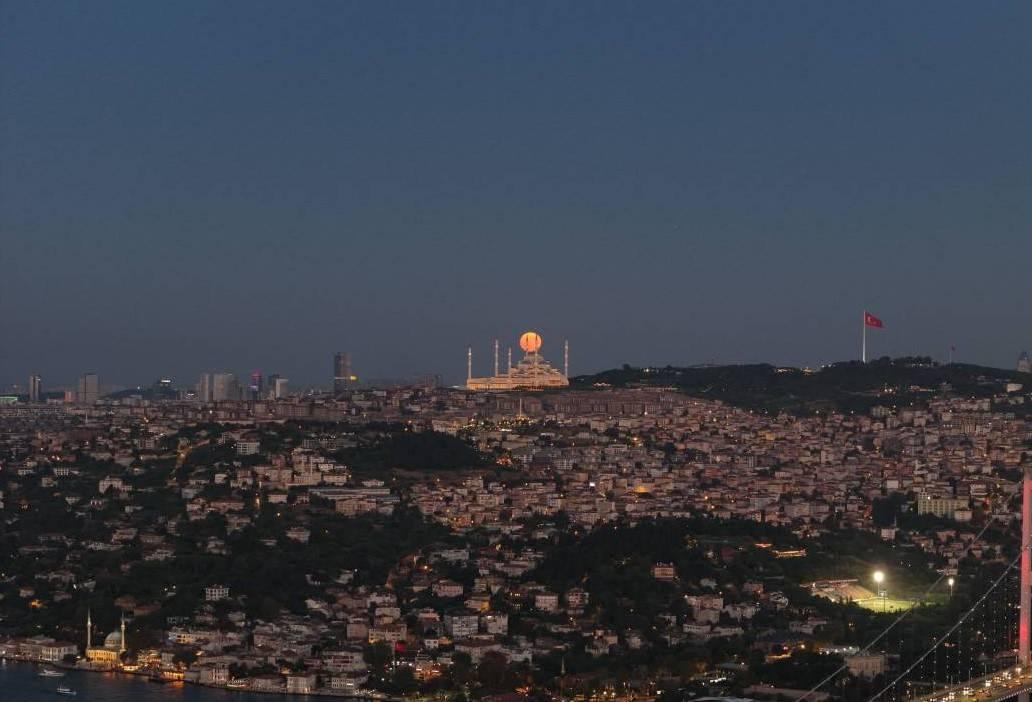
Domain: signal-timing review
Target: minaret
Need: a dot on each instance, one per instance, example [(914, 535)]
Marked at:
[(496, 358), (508, 369), (121, 647), (89, 631), (469, 364), (566, 359)]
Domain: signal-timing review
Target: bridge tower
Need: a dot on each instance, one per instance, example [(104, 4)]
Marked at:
[(1025, 597)]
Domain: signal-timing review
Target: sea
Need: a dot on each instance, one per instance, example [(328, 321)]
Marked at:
[(20, 682)]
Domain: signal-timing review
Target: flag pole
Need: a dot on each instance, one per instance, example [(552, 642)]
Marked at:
[(863, 336)]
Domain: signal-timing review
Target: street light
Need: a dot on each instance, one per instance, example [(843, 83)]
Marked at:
[(879, 578), (951, 582)]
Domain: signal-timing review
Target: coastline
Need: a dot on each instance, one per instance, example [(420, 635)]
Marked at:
[(149, 675)]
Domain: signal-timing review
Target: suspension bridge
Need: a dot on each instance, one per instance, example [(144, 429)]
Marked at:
[(983, 656)]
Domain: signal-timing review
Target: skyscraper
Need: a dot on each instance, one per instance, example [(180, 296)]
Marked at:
[(89, 389), (277, 387), (342, 377), (224, 387), (204, 388), (35, 388), (217, 387)]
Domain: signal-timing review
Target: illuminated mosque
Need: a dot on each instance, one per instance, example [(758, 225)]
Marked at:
[(108, 655), (533, 372)]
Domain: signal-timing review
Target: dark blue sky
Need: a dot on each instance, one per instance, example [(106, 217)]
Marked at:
[(205, 185)]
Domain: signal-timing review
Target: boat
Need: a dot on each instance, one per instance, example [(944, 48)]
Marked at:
[(65, 691), (50, 673)]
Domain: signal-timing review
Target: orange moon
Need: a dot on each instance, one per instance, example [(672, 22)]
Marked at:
[(530, 342)]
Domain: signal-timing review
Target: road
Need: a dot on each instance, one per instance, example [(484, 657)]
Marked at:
[(1000, 685)]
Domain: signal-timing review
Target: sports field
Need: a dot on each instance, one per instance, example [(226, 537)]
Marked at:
[(885, 604)]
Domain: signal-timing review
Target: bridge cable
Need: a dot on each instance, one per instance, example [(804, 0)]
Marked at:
[(960, 621), (896, 621)]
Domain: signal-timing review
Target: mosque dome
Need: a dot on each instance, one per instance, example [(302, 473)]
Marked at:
[(113, 641)]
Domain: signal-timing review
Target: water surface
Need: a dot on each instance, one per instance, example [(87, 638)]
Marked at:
[(20, 682)]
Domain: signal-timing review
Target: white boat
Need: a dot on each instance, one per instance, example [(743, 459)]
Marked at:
[(50, 673), (66, 691)]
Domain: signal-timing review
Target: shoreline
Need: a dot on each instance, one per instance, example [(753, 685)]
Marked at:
[(225, 688)]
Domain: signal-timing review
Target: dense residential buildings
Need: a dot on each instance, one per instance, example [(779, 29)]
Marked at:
[(397, 539)]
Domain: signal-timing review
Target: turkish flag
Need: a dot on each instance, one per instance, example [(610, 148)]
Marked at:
[(872, 321)]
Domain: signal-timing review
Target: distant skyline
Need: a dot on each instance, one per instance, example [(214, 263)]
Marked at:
[(198, 186)]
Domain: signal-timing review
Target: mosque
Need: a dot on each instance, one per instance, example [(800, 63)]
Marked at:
[(532, 372), (108, 655)]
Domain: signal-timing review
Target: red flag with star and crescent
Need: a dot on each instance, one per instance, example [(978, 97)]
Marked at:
[(871, 321)]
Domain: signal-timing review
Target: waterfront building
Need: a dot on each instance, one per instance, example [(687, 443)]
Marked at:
[(109, 654)]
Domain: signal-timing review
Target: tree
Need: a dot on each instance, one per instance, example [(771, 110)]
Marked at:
[(404, 680), (184, 657), (379, 657), (462, 669), (493, 672)]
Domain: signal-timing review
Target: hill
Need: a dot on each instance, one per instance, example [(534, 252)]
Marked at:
[(847, 386)]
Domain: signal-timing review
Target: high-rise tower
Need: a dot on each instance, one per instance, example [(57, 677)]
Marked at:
[(204, 387), (342, 377), (257, 386), (35, 388), (89, 389), (224, 386), (277, 387)]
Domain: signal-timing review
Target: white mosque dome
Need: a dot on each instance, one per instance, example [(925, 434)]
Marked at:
[(113, 641)]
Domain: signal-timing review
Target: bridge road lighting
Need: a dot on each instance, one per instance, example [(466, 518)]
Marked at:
[(879, 579)]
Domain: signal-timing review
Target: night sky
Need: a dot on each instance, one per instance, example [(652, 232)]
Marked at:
[(190, 186)]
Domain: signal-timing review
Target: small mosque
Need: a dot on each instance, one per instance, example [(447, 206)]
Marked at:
[(109, 654), (532, 372)]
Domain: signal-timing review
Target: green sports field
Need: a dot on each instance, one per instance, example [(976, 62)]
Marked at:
[(886, 604)]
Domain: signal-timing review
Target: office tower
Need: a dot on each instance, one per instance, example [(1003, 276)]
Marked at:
[(89, 389), (35, 388), (277, 387), (256, 386), (342, 377), (204, 388), (224, 387)]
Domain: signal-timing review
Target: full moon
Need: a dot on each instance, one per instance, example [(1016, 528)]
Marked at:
[(530, 342)]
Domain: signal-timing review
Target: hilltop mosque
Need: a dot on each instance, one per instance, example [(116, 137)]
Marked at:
[(533, 372)]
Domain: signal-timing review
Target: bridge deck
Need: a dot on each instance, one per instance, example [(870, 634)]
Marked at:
[(1000, 685)]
